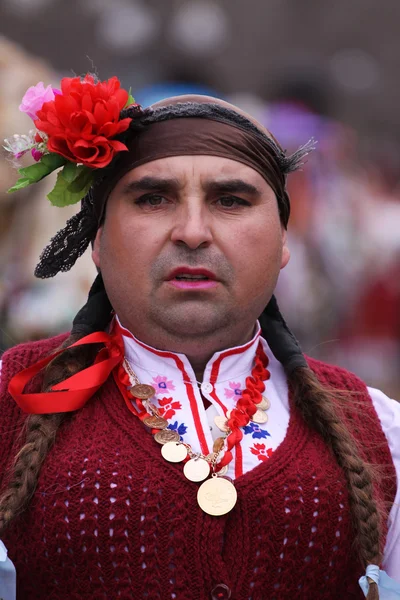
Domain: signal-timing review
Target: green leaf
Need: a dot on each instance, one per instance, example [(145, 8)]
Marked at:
[(36, 172), (69, 171), (83, 180), (53, 161), (23, 182), (131, 99), (71, 185), (47, 164)]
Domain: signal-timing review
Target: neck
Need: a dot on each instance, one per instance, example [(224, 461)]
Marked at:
[(197, 349)]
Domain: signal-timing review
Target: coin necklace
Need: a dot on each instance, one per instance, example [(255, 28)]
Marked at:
[(217, 494)]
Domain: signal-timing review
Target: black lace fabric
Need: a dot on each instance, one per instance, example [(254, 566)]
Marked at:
[(69, 243)]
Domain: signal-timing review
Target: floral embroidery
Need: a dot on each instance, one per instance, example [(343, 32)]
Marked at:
[(235, 390), (256, 431), (261, 452), (162, 384), (168, 407), (181, 429)]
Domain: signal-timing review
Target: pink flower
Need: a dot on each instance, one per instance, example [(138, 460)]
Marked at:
[(162, 385), (18, 145), (19, 155), (37, 155), (34, 99), (235, 390)]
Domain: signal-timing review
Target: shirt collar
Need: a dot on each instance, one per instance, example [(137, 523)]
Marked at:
[(222, 366)]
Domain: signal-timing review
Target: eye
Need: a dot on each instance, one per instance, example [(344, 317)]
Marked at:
[(232, 202), (151, 200)]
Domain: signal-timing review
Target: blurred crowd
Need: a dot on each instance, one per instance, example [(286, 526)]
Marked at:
[(341, 290)]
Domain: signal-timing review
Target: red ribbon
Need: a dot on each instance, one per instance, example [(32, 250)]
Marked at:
[(246, 405), (72, 393)]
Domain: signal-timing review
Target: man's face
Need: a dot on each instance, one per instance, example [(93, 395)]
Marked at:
[(190, 246)]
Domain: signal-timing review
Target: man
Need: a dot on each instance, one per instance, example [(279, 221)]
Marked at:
[(206, 457)]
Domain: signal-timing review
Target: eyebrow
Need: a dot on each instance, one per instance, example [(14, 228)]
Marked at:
[(233, 186), (146, 184)]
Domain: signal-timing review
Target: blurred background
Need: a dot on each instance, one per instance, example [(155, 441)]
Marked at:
[(302, 67)]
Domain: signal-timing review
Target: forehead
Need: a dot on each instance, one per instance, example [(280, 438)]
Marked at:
[(202, 99), (197, 168)]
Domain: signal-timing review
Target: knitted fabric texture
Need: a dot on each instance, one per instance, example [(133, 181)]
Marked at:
[(112, 519)]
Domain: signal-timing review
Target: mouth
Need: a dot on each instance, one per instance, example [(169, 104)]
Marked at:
[(191, 278), (191, 274)]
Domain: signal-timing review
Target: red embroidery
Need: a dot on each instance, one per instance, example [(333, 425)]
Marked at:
[(168, 407), (261, 452)]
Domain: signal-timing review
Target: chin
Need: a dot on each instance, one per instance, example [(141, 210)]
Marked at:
[(187, 320)]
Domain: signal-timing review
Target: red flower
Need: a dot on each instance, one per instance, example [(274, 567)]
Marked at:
[(168, 407), (261, 452), (81, 121)]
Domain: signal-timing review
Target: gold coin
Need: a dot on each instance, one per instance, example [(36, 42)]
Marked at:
[(228, 478), (259, 417), (196, 469), (167, 435), (264, 404), (142, 391), (218, 444), (174, 452), (155, 422), (217, 496), (221, 423)]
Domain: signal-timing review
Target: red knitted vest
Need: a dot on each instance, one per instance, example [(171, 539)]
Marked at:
[(111, 519)]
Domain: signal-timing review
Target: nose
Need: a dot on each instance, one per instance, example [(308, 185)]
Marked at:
[(192, 226)]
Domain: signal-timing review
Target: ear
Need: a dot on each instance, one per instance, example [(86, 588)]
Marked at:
[(96, 248), (285, 249)]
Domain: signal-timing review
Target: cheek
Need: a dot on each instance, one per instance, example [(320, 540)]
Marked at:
[(129, 248), (257, 255)]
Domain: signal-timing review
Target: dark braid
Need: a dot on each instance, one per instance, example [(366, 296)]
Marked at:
[(40, 433), (40, 430), (319, 408)]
